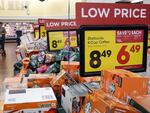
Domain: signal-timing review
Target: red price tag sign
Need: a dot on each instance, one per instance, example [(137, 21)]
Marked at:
[(112, 47)]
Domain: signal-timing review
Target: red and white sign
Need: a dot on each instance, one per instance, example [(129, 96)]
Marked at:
[(129, 36), (112, 14), (35, 26), (61, 24), (42, 21)]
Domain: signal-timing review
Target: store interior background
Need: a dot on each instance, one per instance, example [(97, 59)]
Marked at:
[(30, 11)]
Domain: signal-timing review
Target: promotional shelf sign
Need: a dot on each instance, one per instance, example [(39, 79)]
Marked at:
[(112, 47), (57, 40), (36, 30), (112, 14), (42, 29), (61, 33)]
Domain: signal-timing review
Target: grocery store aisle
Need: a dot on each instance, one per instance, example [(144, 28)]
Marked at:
[(6, 63)]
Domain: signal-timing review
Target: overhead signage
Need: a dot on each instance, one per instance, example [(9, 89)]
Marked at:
[(112, 47), (112, 14), (61, 24)]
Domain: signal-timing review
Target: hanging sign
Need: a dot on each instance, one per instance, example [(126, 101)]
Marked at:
[(112, 14), (112, 47)]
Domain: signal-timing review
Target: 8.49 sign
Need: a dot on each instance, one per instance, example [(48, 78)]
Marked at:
[(118, 47)]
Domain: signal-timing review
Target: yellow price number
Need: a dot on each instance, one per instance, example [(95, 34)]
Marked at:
[(42, 32), (36, 34)]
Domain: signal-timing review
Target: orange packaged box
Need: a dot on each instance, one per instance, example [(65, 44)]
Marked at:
[(72, 68), (99, 102), (35, 100), (57, 82), (141, 103), (12, 83), (90, 79), (122, 83), (39, 80)]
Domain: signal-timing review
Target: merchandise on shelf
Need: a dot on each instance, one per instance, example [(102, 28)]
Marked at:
[(30, 100), (39, 80), (25, 67), (120, 83), (99, 102), (73, 96), (57, 82), (89, 79), (72, 68), (14, 83), (141, 103)]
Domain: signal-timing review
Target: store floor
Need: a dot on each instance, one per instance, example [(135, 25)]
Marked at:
[(6, 63)]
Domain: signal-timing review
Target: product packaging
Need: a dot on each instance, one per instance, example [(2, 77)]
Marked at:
[(72, 68), (14, 83), (72, 96), (122, 83), (57, 82), (35, 100), (39, 80), (99, 102), (141, 103)]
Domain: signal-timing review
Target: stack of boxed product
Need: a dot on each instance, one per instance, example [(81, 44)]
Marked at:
[(50, 93)]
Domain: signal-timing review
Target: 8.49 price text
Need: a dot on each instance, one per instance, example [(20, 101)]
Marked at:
[(95, 56)]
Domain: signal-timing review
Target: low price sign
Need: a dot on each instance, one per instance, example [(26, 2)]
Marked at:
[(61, 33), (108, 14), (112, 47)]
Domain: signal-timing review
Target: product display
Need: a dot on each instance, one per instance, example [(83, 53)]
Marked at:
[(17, 101), (119, 83), (94, 59)]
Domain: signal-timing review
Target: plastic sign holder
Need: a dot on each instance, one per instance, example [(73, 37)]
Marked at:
[(57, 34), (112, 47)]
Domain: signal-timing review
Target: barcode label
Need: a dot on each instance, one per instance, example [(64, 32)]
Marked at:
[(12, 99), (46, 97)]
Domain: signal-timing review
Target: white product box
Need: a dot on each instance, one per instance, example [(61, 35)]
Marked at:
[(36, 100), (72, 96)]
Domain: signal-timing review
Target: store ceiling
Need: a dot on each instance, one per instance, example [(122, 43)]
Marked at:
[(13, 4), (20, 4)]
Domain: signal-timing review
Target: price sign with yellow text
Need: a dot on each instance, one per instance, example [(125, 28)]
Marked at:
[(117, 47), (36, 33), (42, 31), (149, 38), (57, 40)]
